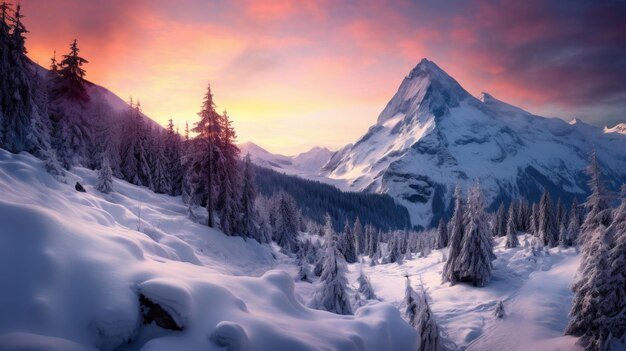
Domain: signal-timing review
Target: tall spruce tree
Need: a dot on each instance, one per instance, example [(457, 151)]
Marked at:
[(573, 225), (105, 177), (332, 294), (597, 204), (348, 244), (548, 233), (474, 260), (457, 229), (249, 216), (442, 234), (427, 327), (500, 221), (511, 230)]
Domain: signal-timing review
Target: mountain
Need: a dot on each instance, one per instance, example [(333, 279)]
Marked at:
[(433, 134), (307, 164), (618, 128)]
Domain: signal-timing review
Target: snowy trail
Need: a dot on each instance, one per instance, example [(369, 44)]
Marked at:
[(536, 314)]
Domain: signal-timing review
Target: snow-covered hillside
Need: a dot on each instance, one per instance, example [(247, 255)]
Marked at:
[(77, 264), (308, 163), (433, 134), (73, 267)]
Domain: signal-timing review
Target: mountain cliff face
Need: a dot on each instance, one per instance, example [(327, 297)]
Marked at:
[(433, 134)]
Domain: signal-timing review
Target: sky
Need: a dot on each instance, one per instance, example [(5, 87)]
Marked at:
[(298, 74)]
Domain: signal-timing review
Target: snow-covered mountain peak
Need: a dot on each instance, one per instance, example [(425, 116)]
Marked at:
[(426, 90), (618, 128)]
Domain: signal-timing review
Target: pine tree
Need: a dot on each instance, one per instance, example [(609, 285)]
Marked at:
[(411, 310), (573, 226), (105, 177), (511, 231), (249, 216), (563, 242), (359, 236), (348, 244), (616, 322), (547, 230), (285, 228), (474, 260), (173, 159), (534, 219), (500, 221), (499, 311), (594, 296), (134, 155), (18, 106), (597, 204), (427, 327), (373, 241), (71, 82), (442, 234), (365, 287), (332, 294), (457, 229)]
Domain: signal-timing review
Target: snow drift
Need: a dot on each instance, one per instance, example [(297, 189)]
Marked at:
[(74, 267)]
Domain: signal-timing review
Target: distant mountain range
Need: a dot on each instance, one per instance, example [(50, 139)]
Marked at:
[(433, 134)]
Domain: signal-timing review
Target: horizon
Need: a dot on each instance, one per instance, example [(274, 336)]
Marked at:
[(338, 65)]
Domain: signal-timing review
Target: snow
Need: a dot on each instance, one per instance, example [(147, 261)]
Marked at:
[(76, 264), (535, 292)]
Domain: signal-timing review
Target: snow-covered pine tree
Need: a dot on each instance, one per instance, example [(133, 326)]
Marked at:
[(229, 179), (304, 274), (249, 215), (499, 311), (594, 296), (105, 177), (597, 204), (500, 221), (456, 231), (394, 255), (427, 327), (547, 229), (561, 214), (365, 287), (359, 236), (159, 173), (206, 155), (374, 241), (534, 219), (5, 66), (442, 234), (285, 229), (511, 230), (18, 103), (616, 322), (563, 242), (68, 94), (411, 299), (474, 260), (133, 154), (173, 157), (332, 294), (573, 224), (347, 244)]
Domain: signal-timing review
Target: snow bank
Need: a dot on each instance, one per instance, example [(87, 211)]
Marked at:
[(74, 265)]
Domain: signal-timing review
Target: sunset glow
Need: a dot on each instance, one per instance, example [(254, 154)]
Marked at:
[(297, 74)]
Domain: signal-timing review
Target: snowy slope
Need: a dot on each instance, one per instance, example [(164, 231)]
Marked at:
[(73, 265), (534, 290), (307, 163), (433, 134)]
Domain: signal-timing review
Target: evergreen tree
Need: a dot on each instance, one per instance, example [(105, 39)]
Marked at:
[(332, 294), (229, 179), (597, 204), (105, 177), (511, 230), (442, 234), (563, 242), (573, 226), (374, 240), (285, 228), (616, 322), (411, 299), (534, 220), (500, 221), (365, 287), (359, 236), (499, 311), (134, 154), (249, 216), (173, 160), (594, 296), (457, 229), (546, 228), (427, 327), (348, 245), (474, 260)]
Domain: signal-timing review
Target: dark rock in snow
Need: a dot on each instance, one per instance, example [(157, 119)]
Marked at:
[(79, 188), (154, 312)]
